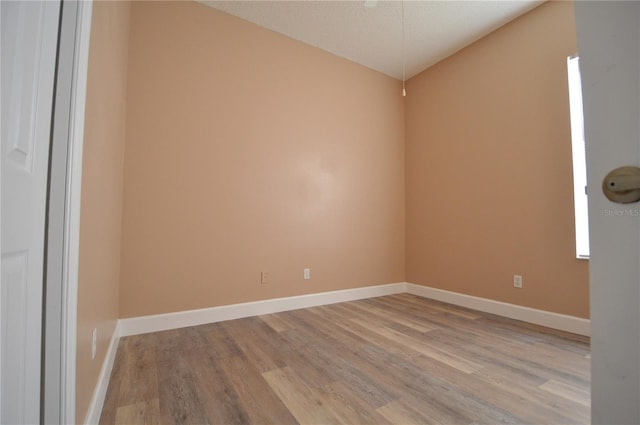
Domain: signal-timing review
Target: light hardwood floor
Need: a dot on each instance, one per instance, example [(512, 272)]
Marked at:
[(398, 359)]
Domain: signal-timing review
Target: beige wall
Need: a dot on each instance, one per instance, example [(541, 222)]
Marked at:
[(246, 152), (100, 220), (488, 168)]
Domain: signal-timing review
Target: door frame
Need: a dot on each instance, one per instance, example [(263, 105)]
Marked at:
[(70, 187)]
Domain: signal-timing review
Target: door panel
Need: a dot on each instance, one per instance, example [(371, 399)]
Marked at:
[(609, 49), (29, 38)]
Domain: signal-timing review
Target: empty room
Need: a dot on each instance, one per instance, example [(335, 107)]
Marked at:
[(354, 212)]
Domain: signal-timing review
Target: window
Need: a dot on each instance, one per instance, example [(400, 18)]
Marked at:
[(579, 159)]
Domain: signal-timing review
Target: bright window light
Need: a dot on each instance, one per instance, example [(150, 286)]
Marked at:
[(579, 159)]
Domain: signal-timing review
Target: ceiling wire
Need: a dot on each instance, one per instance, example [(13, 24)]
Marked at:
[(404, 91)]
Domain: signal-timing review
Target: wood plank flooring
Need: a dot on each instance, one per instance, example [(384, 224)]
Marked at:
[(398, 359)]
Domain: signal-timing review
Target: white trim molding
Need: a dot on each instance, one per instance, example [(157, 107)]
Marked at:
[(100, 391), (72, 211), (549, 319), (181, 319)]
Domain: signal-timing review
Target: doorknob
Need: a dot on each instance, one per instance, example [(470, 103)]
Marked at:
[(622, 185)]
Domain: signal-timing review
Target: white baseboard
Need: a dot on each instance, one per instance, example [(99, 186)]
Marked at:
[(181, 319), (100, 391), (558, 321)]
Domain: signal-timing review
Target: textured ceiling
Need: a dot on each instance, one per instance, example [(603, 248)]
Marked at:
[(372, 36)]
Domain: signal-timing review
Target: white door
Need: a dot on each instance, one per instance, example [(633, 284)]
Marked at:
[(609, 49), (29, 38)]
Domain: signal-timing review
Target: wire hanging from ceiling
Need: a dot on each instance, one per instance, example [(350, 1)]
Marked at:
[(404, 90)]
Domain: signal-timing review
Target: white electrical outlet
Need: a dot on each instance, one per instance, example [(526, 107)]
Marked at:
[(94, 343), (265, 277), (307, 274), (517, 281)]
